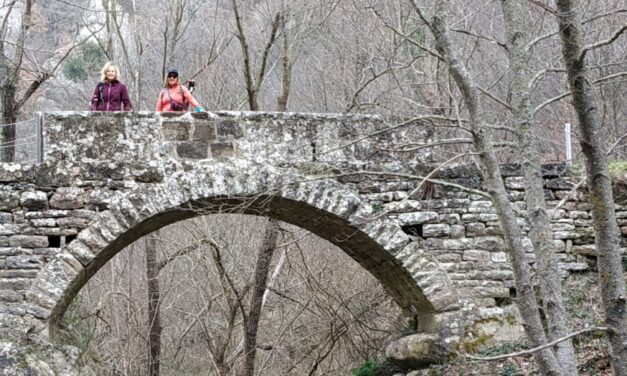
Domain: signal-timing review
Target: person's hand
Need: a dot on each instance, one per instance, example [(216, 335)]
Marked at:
[(199, 109)]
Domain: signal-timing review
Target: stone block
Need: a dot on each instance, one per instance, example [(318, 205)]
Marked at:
[(228, 129), (82, 213), (204, 131), (6, 217), (24, 262), (516, 195), (34, 200), (491, 291), (28, 241), (19, 273), (414, 351), (55, 231), (221, 150), (560, 246), (476, 255), (490, 243), (11, 251), (559, 184), (73, 222), (481, 207), (435, 230), (451, 219), (474, 229), (408, 219), (9, 229), (9, 200), (457, 244), (68, 198), (516, 183), (449, 257), (192, 150), (574, 266), (81, 252), (50, 251), (488, 217), (458, 231), (8, 296), (44, 222), (498, 257), (403, 206), (15, 284), (585, 250), (47, 214), (176, 130)]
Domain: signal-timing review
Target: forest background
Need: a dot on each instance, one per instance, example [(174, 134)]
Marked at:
[(193, 297)]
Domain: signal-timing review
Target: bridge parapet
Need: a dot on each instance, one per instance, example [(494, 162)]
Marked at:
[(104, 145)]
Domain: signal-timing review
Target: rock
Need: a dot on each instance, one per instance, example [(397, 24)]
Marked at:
[(68, 198), (36, 200), (416, 218), (415, 351), (28, 241), (9, 200), (435, 230)]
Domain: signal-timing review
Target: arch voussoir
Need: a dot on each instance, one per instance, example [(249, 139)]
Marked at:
[(433, 281), (326, 195), (51, 284), (386, 233), (80, 251)]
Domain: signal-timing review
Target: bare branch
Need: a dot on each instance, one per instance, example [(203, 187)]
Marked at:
[(500, 44), (400, 125), (495, 98), (565, 94), (536, 349), (452, 141), (602, 43)]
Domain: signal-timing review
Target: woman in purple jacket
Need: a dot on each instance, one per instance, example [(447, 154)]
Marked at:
[(111, 93)]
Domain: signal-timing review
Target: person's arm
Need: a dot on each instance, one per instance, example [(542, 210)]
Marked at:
[(190, 98), (160, 102), (95, 98), (126, 100)]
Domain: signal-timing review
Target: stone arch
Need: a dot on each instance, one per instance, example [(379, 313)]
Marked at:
[(323, 206)]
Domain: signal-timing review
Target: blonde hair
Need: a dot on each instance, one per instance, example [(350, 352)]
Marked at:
[(106, 67)]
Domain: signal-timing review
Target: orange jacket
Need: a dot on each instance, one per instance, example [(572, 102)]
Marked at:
[(177, 92)]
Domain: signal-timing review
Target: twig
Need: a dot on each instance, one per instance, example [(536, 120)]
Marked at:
[(602, 43), (536, 349), (370, 135)]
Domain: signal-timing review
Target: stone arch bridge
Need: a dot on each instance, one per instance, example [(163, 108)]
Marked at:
[(107, 179)]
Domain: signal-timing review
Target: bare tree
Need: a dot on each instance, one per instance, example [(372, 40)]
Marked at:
[(519, 51), (154, 302), (526, 301), (593, 140)]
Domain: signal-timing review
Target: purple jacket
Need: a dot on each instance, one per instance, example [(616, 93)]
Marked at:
[(109, 96)]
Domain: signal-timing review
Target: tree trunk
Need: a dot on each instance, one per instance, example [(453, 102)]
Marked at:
[(557, 317), (8, 123), (599, 184), (286, 78), (526, 301), (256, 300), (154, 320)]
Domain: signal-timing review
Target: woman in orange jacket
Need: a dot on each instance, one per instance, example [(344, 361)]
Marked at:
[(174, 96)]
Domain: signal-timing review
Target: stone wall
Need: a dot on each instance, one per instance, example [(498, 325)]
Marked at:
[(462, 232)]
